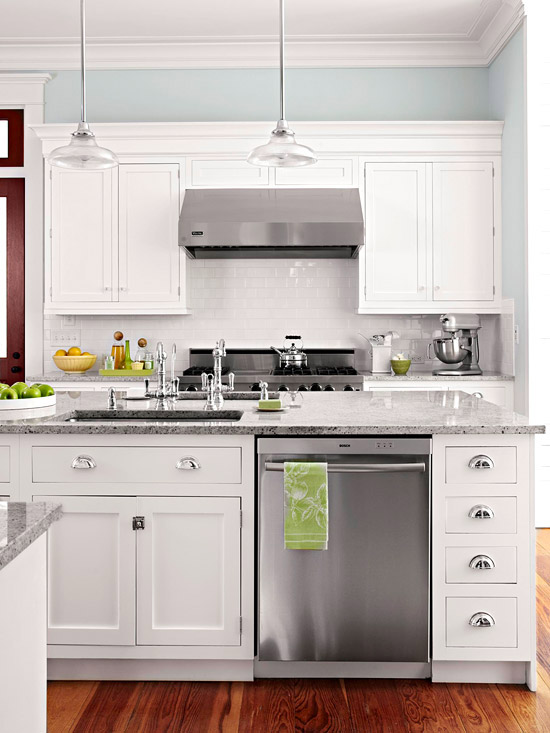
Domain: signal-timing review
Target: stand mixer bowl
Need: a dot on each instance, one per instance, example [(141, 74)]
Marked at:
[(449, 350)]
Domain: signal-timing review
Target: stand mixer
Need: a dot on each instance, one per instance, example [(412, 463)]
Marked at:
[(461, 347)]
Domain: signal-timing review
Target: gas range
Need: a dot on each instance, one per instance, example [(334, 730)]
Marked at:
[(328, 370)]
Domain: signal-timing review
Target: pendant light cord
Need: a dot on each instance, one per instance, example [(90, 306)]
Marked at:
[(83, 60), (281, 56)]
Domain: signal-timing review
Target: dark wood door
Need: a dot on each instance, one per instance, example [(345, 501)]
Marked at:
[(12, 280)]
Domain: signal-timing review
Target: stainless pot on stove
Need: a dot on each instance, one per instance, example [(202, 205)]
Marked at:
[(292, 355)]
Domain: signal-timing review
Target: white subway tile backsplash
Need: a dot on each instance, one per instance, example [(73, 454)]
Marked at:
[(257, 302)]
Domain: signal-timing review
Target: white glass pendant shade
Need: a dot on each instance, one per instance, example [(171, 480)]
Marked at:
[(83, 152), (282, 150)]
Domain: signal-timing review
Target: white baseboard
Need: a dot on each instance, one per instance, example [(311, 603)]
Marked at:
[(513, 673), (176, 670)]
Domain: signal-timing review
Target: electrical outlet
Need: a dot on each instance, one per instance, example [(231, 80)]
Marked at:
[(68, 321), (516, 334), (65, 339)]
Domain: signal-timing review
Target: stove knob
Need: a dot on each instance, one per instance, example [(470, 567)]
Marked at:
[(191, 388), (303, 388), (348, 388), (282, 388), (316, 387), (255, 387), (329, 388)]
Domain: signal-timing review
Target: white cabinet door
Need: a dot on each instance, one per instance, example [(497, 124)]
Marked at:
[(226, 174), (149, 255), (326, 172), (83, 235), (189, 571), (463, 234), (396, 235), (91, 571)]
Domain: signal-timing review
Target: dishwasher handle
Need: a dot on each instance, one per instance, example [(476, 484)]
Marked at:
[(360, 467)]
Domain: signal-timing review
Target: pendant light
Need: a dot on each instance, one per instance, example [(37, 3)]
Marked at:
[(83, 152), (282, 149)]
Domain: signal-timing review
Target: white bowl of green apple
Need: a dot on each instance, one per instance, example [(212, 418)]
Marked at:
[(23, 396)]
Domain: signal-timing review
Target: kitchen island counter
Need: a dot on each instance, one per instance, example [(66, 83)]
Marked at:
[(338, 413), (21, 524)]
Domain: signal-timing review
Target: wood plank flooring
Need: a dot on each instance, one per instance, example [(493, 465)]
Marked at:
[(313, 706)]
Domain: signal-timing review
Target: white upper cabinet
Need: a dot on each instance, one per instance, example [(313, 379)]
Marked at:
[(396, 244), (329, 172), (430, 242), (463, 236), (114, 241), (189, 571), (229, 173), (83, 235), (149, 257)]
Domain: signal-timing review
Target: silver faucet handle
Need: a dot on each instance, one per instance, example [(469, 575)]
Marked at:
[(146, 380), (264, 391), (204, 379), (220, 348), (175, 383), (111, 399), (231, 382), (161, 355)]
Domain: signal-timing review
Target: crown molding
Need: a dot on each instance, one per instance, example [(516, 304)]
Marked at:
[(22, 89), (235, 139), (488, 34)]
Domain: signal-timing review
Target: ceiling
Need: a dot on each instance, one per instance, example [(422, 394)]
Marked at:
[(172, 33)]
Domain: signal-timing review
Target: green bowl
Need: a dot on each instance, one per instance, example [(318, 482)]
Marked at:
[(400, 366)]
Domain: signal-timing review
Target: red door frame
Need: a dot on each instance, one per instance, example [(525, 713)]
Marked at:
[(12, 368)]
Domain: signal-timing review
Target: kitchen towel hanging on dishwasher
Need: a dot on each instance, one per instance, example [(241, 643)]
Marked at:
[(306, 506)]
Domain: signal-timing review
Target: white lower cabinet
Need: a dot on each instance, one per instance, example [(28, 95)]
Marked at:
[(188, 571), (145, 570), (499, 392), (91, 571)]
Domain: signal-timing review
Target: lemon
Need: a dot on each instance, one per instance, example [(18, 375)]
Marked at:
[(74, 351), (60, 352)]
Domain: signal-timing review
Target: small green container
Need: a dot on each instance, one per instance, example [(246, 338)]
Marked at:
[(400, 366)]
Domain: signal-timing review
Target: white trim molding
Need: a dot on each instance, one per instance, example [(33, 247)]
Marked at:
[(22, 89), (484, 40)]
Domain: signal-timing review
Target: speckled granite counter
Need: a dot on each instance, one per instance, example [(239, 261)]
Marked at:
[(337, 413), (414, 376), (21, 524)]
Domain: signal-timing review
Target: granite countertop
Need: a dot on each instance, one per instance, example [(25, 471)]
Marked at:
[(419, 376), (336, 413), (21, 524)]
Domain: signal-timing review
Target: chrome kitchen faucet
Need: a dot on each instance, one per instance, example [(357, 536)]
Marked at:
[(212, 383)]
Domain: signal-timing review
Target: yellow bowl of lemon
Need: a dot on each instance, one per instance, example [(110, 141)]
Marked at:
[(74, 361)]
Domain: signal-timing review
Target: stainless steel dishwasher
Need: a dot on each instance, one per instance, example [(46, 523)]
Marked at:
[(366, 598)]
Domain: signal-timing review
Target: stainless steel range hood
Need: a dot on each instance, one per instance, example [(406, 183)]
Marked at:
[(283, 222)]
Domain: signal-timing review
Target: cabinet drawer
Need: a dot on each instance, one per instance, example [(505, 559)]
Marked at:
[(500, 611), (481, 514), (497, 465), (490, 565), (227, 174), (136, 465), (4, 464)]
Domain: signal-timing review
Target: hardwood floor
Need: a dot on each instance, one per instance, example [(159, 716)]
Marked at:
[(313, 706)]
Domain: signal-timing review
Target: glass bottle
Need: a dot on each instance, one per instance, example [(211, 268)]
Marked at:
[(117, 351), (140, 353), (127, 356)]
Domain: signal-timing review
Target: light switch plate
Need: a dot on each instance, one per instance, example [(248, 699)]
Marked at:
[(65, 339), (68, 321)]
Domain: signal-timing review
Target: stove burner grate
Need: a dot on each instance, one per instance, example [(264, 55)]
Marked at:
[(196, 371)]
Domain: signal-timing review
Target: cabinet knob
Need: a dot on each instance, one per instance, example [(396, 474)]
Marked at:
[(481, 463), (481, 511), (482, 562), (83, 462), (123, 290), (107, 289), (479, 395), (436, 287), (188, 464), (482, 620), (421, 288)]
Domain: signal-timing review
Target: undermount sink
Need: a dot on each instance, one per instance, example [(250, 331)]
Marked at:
[(153, 415)]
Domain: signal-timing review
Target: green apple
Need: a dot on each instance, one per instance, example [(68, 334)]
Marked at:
[(30, 393), (45, 390), (19, 387), (9, 394), (4, 386), (36, 384)]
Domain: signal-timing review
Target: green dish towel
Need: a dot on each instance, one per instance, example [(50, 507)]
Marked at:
[(306, 506)]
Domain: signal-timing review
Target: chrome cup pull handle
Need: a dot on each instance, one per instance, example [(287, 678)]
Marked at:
[(481, 511), (482, 620), (481, 462), (482, 562), (188, 464), (83, 462)]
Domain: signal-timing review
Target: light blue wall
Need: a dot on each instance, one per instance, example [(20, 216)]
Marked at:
[(252, 94), (507, 97)]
